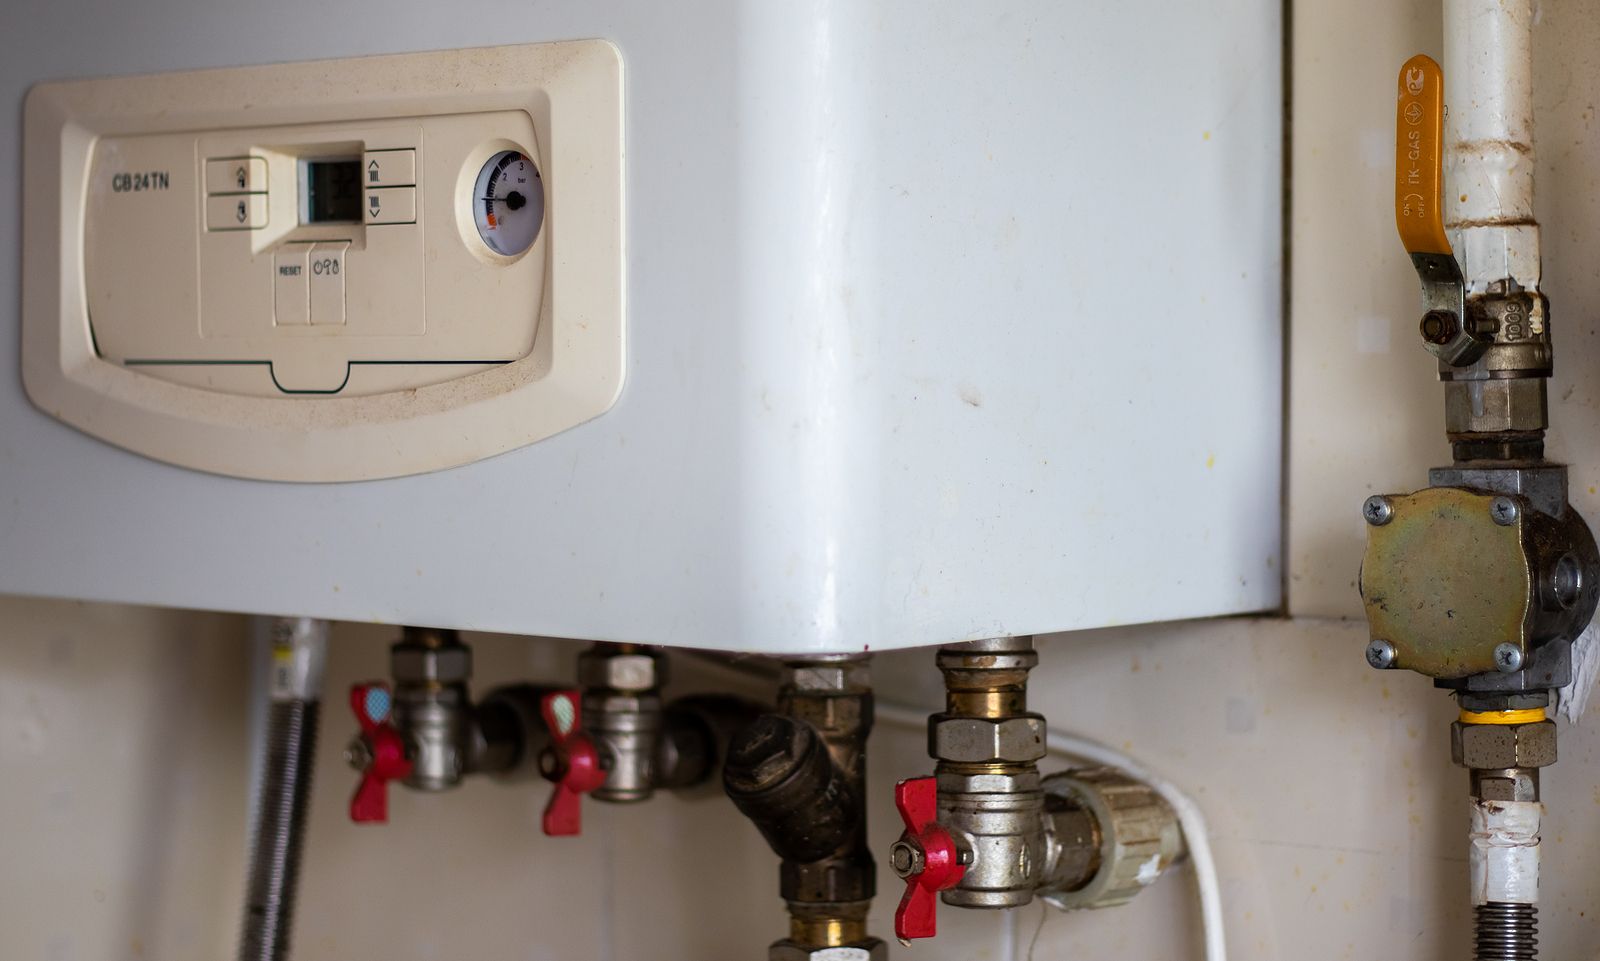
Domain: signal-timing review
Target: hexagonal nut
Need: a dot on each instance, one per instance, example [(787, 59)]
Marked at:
[(441, 665), (841, 676), (871, 949), (1499, 746), (620, 672), (978, 739)]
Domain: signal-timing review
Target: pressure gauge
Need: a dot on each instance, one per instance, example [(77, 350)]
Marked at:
[(508, 203)]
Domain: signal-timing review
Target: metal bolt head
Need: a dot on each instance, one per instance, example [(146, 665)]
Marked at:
[(907, 858), (1504, 510), (1381, 654), (1377, 510), (1439, 327), (1508, 658)]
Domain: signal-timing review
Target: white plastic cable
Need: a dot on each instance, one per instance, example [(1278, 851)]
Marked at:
[(1190, 819)]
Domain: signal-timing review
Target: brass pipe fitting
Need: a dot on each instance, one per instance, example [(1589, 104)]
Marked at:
[(986, 831), (800, 775)]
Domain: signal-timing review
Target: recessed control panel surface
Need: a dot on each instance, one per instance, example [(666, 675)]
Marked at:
[(323, 258), (371, 251)]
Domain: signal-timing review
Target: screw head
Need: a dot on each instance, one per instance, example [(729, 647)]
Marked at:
[(1508, 658), (1377, 510), (1381, 654), (1504, 510)]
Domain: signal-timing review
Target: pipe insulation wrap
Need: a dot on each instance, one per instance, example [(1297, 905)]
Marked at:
[(1488, 90), (1504, 861)]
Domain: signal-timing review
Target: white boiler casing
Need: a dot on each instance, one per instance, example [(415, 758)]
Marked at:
[(942, 321)]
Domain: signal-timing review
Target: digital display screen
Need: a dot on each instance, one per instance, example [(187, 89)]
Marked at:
[(333, 191)]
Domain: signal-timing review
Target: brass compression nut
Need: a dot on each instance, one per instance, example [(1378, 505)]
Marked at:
[(976, 740), (1500, 746)]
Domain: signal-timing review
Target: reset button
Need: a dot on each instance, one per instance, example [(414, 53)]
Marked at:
[(291, 288)]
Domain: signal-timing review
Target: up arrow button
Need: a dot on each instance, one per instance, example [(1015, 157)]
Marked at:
[(389, 168)]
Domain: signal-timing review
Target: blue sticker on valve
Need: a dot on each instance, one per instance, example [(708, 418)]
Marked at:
[(377, 704)]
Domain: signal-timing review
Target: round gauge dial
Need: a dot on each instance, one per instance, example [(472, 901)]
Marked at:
[(508, 203)]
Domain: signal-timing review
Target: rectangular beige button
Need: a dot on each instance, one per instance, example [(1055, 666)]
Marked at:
[(236, 212), (291, 285), (389, 205), (389, 168), (238, 175), (327, 283)]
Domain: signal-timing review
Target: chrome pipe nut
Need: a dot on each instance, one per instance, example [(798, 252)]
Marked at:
[(975, 740), (620, 672), (1499, 746), (411, 664)]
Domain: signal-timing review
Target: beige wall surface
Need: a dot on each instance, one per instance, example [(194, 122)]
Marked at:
[(1366, 413), (1338, 821)]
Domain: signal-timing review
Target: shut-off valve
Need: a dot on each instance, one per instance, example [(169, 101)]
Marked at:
[(610, 739), (427, 733), (987, 831), (616, 741), (1482, 580)]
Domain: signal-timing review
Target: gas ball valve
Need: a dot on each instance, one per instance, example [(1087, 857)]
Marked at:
[(987, 831), (378, 752)]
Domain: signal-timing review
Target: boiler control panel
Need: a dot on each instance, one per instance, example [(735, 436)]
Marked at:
[(334, 270), (322, 259)]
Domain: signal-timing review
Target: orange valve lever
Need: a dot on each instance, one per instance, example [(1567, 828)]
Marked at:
[(1419, 158), (571, 762), (1419, 212), (925, 856), (381, 749)]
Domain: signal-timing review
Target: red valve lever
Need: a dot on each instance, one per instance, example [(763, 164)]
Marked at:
[(933, 865), (577, 768), (386, 753)]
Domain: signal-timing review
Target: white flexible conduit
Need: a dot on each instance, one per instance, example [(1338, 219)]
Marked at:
[(1195, 835)]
